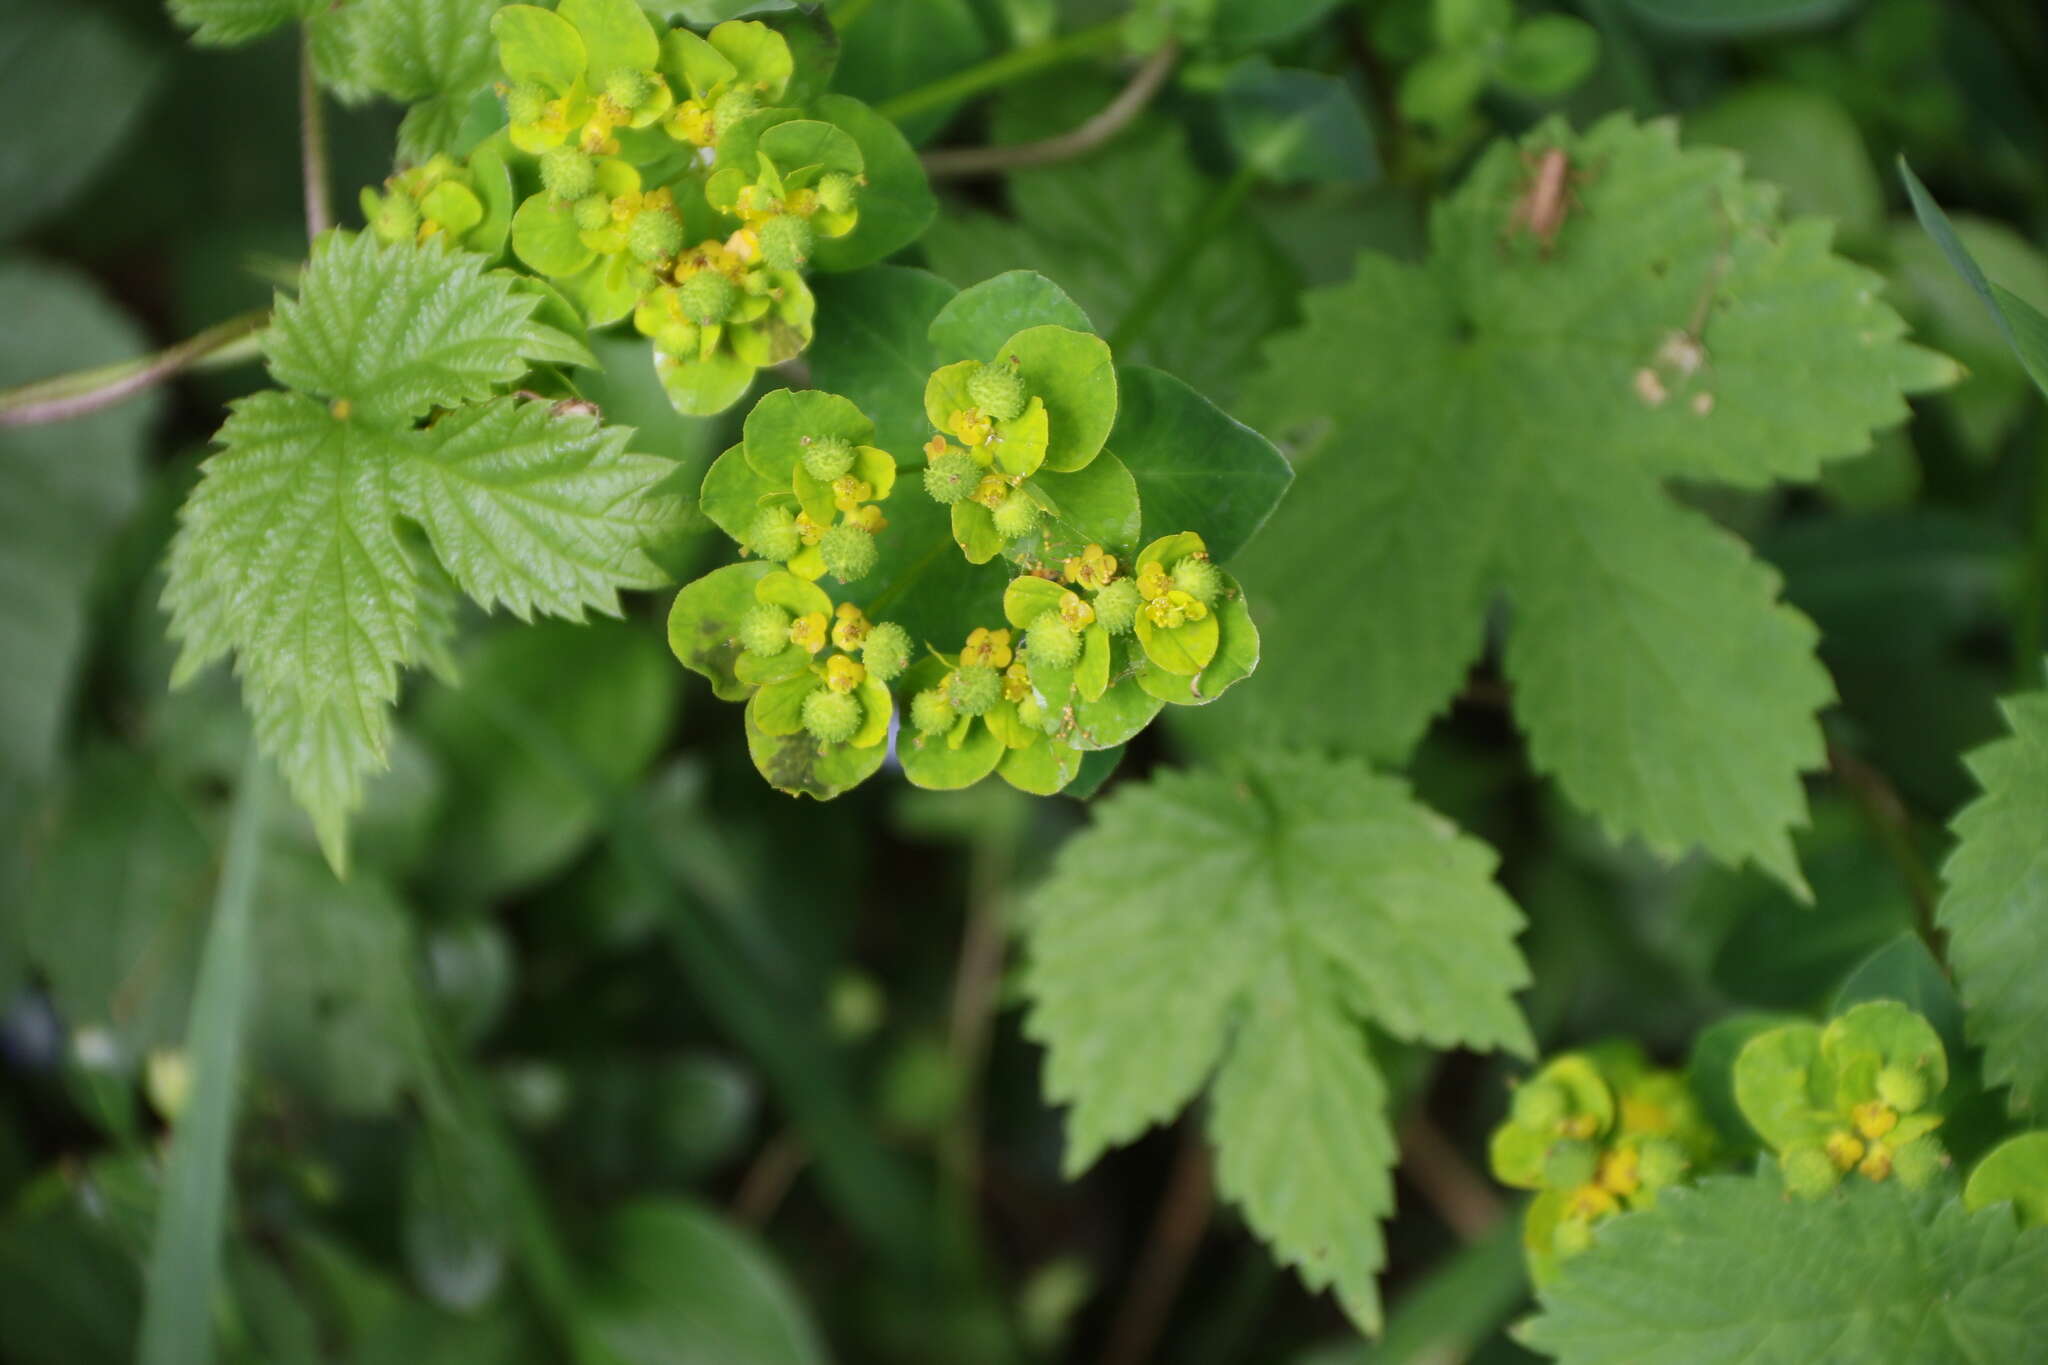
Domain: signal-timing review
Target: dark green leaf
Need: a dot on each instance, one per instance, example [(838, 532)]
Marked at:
[(1198, 469), (980, 318)]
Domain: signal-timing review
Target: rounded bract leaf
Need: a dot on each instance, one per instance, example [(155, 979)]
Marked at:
[(1783, 1087), (545, 237), (1873, 1036), (1235, 659), (976, 321), (938, 763), (1041, 767), (1029, 597), (2015, 1172), (702, 388), (1097, 505), (895, 204), (784, 422), (759, 56), (1074, 375), (974, 531), (535, 44), (733, 493), (804, 149), (1124, 710), (1185, 649), (797, 764), (616, 36), (704, 624)]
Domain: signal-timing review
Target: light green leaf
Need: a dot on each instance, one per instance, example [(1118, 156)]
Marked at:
[(416, 50), (1247, 924), (536, 44), (704, 624), (1995, 907), (1802, 140), (1733, 1271), (2015, 1171), (980, 318), (535, 509), (677, 1285), (1497, 422), (616, 35), (64, 489), (397, 330)]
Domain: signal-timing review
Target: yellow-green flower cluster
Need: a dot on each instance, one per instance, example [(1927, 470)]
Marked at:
[(1596, 1133)]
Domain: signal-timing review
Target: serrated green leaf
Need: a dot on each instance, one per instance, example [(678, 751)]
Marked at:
[(1498, 420), (1247, 925), (417, 50), (227, 23), (1995, 907), (397, 330), (287, 555), (535, 509), (1733, 1271)]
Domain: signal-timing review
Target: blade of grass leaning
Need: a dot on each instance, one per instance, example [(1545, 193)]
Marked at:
[(185, 1257), (2026, 330)]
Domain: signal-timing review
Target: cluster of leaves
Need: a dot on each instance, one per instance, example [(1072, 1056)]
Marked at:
[(1021, 470)]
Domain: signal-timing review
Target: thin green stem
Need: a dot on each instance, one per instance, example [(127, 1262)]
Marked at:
[(999, 71), (185, 1253), (74, 395), (313, 140), (1162, 282), (1885, 812)]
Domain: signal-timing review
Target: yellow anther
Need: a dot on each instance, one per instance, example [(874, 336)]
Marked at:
[(1620, 1171), (1174, 608), (1877, 1164), (869, 519), (851, 629), (970, 426), (1845, 1149), (1642, 1116), (937, 446), (807, 530), (1092, 568), (1874, 1118), (1154, 581), (807, 632), (339, 409), (985, 646), (1076, 613), (1589, 1202), (1578, 1126), (850, 491), (992, 491), (1016, 683), (745, 245), (843, 673), (691, 122)]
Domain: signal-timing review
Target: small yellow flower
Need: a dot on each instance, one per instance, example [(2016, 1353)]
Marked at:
[(1076, 613), (1092, 569), (807, 530), (1174, 608), (992, 491), (869, 519), (843, 673), (691, 122), (851, 629), (850, 491), (1589, 1202), (1877, 1163), (1016, 683), (970, 427), (1620, 1171), (1874, 1119), (985, 646), (937, 446), (1154, 581), (807, 632), (1845, 1149)]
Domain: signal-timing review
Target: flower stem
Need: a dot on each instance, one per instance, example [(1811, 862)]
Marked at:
[(999, 71), (84, 391), (313, 140)]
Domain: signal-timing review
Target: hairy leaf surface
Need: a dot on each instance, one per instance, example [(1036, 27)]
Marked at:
[(1248, 926), (1734, 1271), (1499, 420)]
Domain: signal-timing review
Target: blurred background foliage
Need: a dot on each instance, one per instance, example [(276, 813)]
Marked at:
[(609, 1052)]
